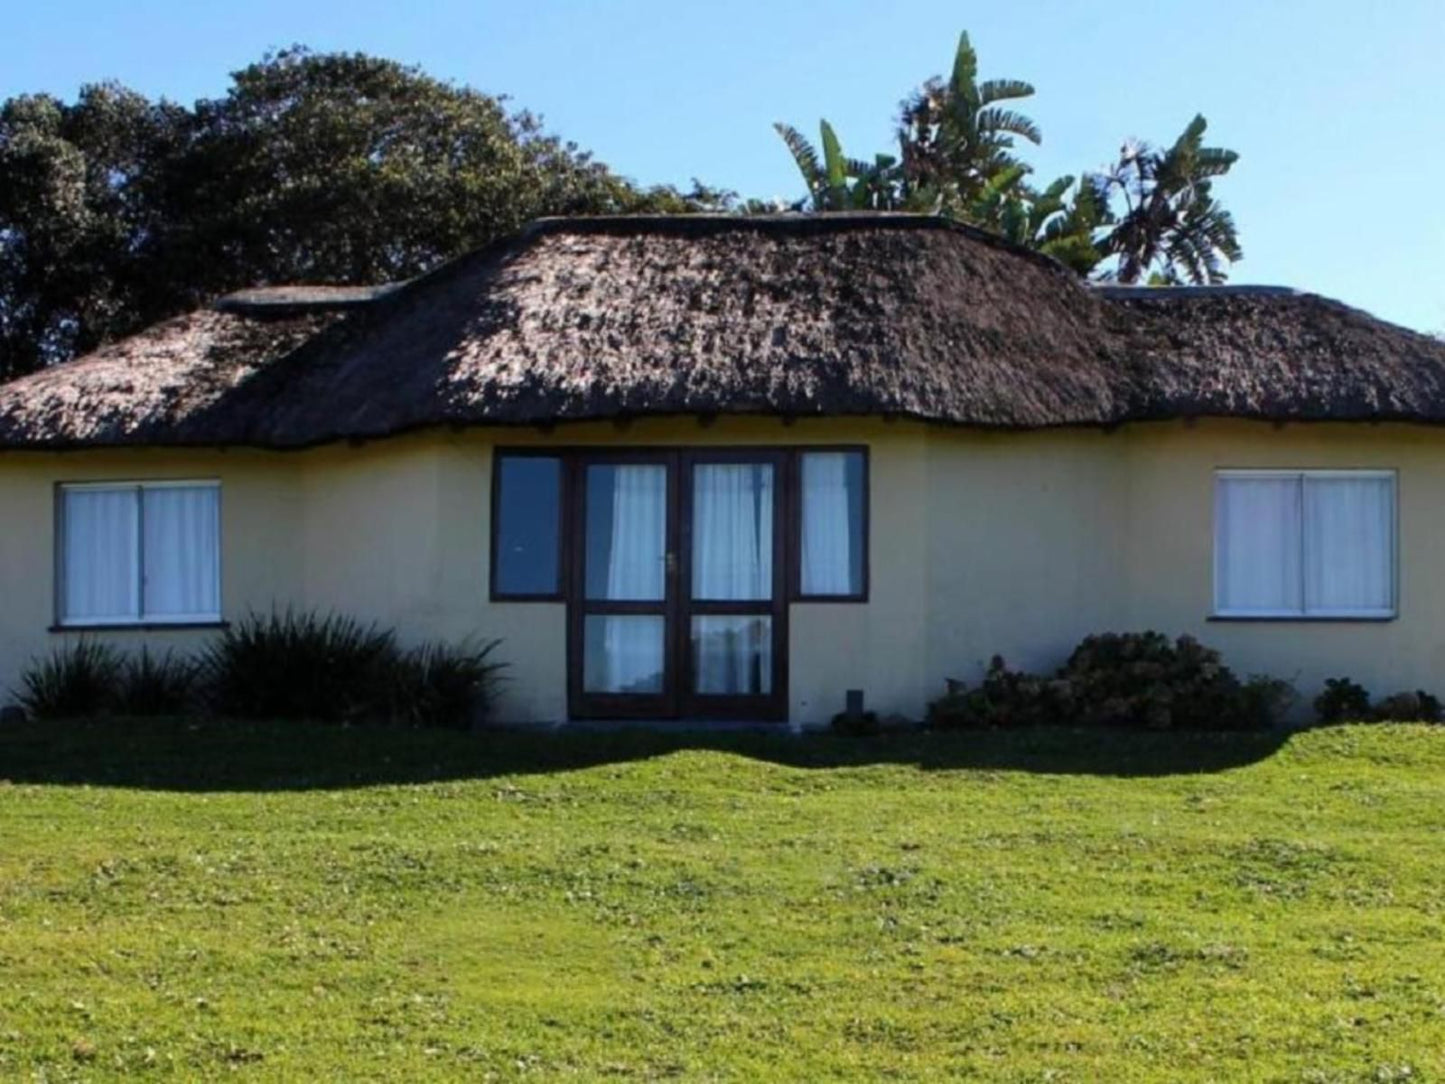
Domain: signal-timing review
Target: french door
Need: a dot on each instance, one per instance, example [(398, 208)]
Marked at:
[(677, 606)]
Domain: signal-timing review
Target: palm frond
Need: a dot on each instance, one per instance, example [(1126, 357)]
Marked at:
[(803, 153), (995, 120), (1002, 90)]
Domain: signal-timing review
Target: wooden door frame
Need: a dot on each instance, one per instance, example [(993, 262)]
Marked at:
[(676, 701), (772, 706)]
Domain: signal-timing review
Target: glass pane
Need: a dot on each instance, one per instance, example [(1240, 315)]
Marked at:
[(626, 532), (732, 655), (529, 501), (101, 555), (1349, 544), (622, 653), (732, 531), (832, 537), (1257, 545), (182, 552)]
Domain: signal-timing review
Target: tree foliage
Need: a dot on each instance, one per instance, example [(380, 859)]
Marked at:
[(116, 210), (1151, 216)]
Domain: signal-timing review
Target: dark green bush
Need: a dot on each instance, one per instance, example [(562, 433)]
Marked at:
[(327, 668), (1006, 698), (1145, 680), (1343, 701), (1120, 680), (857, 726), (1408, 707), (150, 686), (442, 685), (1264, 702), (74, 681)]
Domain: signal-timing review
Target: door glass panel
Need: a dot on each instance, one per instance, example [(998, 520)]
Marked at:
[(732, 655), (626, 532), (622, 653), (732, 531)]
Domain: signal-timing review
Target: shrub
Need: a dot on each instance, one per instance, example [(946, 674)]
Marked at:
[(1006, 698), (73, 681), (149, 686), (1264, 702), (1408, 707), (1342, 701), (327, 668), (857, 726), (1144, 680), (442, 685)]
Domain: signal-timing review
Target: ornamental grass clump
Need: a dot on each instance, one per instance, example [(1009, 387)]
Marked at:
[(326, 668), (155, 686), (76, 680), (451, 686)]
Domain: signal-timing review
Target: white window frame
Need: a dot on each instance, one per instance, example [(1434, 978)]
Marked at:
[(1305, 613), (141, 619)]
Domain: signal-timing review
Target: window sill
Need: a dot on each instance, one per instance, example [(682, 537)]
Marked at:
[(1307, 619), (142, 626)]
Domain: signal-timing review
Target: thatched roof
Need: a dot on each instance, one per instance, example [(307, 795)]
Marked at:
[(839, 314)]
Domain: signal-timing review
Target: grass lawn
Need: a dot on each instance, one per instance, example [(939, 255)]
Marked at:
[(292, 904)]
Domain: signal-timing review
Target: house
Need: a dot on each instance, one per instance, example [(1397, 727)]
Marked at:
[(708, 466)]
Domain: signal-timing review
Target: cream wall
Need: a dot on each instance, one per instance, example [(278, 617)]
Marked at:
[(261, 550), (1170, 554), (1015, 543)]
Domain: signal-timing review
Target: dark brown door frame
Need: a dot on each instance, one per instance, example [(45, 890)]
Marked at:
[(773, 705), (677, 608)]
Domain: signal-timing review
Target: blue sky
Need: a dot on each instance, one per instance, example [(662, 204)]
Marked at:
[(1336, 108)]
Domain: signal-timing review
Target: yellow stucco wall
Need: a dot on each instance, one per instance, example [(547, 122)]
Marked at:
[(1016, 543)]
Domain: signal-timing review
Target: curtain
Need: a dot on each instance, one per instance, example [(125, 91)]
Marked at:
[(732, 531), (733, 654), (1257, 545), (636, 570), (827, 542), (1349, 543), (182, 574), (100, 555)]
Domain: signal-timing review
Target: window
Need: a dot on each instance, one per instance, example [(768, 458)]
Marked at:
[(833, 532), (1304, 544), (139, 554), (527, 528)]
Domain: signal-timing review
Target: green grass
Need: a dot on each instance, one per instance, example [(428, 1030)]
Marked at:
[(291, 904)]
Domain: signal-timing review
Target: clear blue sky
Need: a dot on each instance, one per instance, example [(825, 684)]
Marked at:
[(1337, 107)]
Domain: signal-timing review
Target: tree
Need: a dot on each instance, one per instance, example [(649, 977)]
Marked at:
[(957, 141), (1152, 214), (116, 211), (1172, 229)]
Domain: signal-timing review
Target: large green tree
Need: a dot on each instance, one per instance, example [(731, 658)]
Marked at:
[(116, 211)]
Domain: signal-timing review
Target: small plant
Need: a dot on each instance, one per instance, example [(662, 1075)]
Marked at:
[(1264, 701), (857, 726), (298, 666), (442, 685), (72, 682), (151, 686), (1408, 707), (1343, 701), (1005, 698)]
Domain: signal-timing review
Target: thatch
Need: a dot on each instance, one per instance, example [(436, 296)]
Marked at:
[(838, 314)]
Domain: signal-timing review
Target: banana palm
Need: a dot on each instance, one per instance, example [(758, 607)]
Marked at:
[(1172, 229), (958, 138)]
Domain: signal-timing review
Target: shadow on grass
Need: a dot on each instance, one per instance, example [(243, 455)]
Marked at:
[(215, 756)]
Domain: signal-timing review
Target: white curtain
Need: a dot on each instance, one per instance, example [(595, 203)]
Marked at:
[(182, 552), (623, 653), (636, 571), (732, 531), (100, 555), (1349, 543), (827, 542), (732, 654), (1257, 545)]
